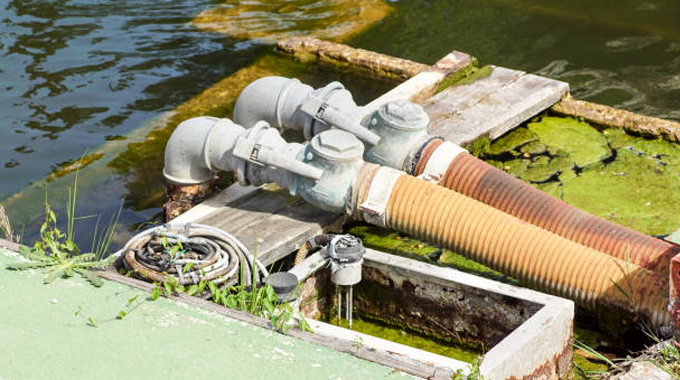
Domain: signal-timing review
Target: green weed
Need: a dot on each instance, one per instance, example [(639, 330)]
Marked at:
[(474, 372), (56, 252)]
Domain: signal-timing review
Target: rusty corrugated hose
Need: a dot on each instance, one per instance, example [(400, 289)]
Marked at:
[(476, 179), (539, 258)]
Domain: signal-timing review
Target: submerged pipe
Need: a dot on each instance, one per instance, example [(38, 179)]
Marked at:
[(405, 145), (389, 198)]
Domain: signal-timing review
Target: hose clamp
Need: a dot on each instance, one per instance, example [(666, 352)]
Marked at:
[(374, 208)]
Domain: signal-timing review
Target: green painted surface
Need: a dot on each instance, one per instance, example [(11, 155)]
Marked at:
[(42, 339)]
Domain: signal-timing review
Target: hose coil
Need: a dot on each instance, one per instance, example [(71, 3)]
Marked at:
[(189, 254)]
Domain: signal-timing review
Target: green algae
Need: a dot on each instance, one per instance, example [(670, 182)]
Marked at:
[(635, 191), (511, 141), (539, 170), (397, 244), (533, 148), (623, 178), (408, 337), (479, 147), (584, 144), (584, 362)]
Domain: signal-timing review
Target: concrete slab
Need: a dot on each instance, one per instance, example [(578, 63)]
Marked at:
[(42, 339), (529, 333)]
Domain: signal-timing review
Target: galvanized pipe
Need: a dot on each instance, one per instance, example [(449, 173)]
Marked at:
[(536, 257), (476, 179)]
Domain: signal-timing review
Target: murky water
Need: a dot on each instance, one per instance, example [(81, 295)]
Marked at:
[(84, 77)]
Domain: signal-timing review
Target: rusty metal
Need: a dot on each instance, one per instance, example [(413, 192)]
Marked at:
[(538, 258), (674, 294), (424, 155), (476, 179)]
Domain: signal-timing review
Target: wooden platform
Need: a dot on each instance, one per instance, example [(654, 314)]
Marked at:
[(492, 105), (275, 224)]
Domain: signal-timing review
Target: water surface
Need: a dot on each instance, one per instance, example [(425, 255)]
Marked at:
[(84, 77)]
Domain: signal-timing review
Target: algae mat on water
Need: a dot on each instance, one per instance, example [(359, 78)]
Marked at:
[(629, 180), (271, 21)]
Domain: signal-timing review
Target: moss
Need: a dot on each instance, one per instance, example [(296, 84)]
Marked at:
[(583, 143), (335, 20), (457, 77), (511, 141), (410, 337), (635, 191)]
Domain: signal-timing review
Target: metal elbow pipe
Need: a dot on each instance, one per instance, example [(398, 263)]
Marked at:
[(202, 146), (289, 104), (275, 100), (198, 148)]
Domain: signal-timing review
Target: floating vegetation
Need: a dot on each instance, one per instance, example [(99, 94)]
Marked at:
[(271, 21), (627, 179)]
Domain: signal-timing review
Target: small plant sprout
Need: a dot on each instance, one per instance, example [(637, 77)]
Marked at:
[(56, 252)]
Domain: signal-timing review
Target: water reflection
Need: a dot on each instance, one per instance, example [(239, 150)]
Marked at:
[(74, 72), (624, 53), (84, 76), (274, 20)]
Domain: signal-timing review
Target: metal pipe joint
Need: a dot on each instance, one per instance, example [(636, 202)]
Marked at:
[(289, 104)]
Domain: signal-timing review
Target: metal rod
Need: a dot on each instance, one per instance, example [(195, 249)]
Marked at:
[(350, 301), (346, 304), (338, 289)]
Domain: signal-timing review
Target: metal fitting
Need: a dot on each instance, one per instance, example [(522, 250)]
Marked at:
[(402, 127), (288, 103), (194, 152), (201, 146), (338, 154)]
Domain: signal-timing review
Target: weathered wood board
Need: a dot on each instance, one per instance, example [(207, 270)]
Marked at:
[(492, 105), (269, 222)]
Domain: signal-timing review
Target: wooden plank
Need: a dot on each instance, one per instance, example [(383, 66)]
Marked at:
[(269, 221), (492, 105)]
